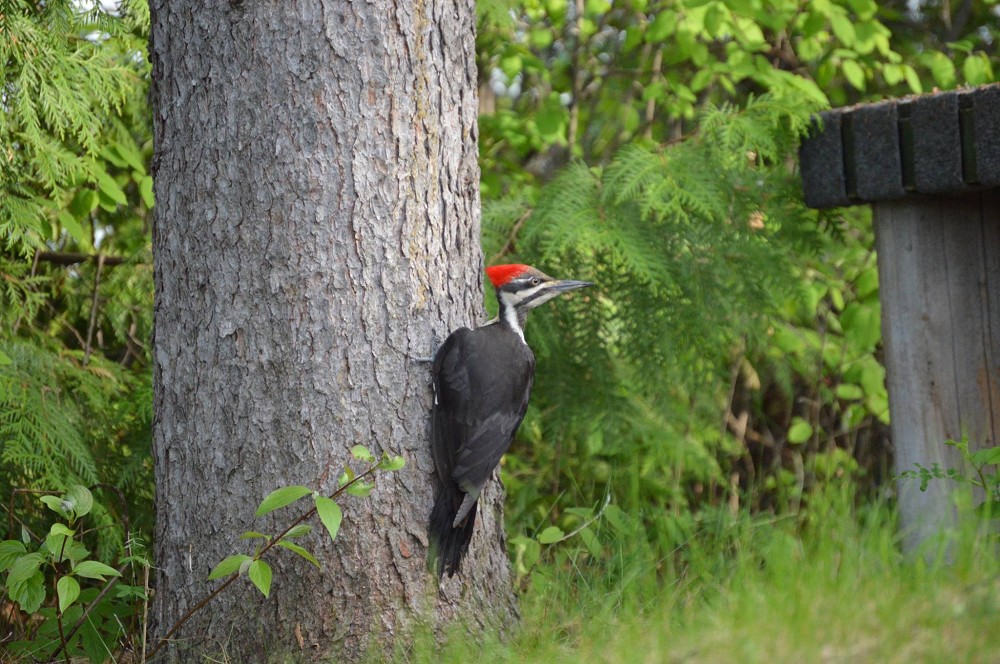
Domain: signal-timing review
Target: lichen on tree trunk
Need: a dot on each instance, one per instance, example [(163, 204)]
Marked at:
[(317, 228)]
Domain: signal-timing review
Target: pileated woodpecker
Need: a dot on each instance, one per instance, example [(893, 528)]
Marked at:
[(482, 381)]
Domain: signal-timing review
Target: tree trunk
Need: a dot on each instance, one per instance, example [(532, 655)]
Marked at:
[(317, 229)]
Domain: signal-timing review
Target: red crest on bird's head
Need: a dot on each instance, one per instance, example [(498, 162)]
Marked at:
[(501, 274)]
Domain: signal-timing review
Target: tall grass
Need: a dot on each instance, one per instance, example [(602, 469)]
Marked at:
[(829, 584)]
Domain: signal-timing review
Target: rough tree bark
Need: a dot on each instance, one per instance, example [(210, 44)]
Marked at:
[(317, 227)]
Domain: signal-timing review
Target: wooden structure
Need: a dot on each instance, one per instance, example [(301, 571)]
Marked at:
[(930, 168)]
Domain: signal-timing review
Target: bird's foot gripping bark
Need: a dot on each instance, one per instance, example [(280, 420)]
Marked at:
[(435, 345)]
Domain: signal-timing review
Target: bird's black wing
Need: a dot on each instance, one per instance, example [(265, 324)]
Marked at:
[(482, 381)]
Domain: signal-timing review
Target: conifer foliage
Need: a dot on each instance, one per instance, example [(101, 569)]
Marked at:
[(75, 298), (691, 245)]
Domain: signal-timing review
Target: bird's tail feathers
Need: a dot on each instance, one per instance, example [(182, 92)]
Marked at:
[(448, 543)]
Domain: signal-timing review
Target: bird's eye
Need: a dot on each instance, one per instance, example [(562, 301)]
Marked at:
[(535, 281)]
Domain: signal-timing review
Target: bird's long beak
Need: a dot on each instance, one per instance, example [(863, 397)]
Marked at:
[(567, 285), (551, 289)]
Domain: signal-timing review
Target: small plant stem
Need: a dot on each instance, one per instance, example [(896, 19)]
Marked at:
[(59, 613), (93, 309), (90, 607), (145, 610), (200, 605)]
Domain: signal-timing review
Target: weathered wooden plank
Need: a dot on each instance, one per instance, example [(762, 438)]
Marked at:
[(989, 379), (939, 279)]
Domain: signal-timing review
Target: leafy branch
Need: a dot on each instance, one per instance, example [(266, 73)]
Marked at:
[(978, 461), (69, 561), (330, 514)]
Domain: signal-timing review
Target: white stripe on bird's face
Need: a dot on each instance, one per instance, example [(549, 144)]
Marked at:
[(527, 296)]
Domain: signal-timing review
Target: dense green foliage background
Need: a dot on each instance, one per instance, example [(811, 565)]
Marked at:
[(726, 364)]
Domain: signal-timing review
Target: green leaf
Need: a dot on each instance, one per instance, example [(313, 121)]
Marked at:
[(83, 203), (92, 569), (551, 535), (28, 592), (57, 505), (584, 513), (58, 541), (552, 119), (892, 74), (81, 498), (392, 464), (298, 531), (110, 154), (942, 69), (843, 29), (865, 9), (661, 27), (988, 457), (511, 65), (299, 550), (849, 391), (107, 186), (597, 7), (618, 519), (713, 19), (976, 69), (125, 591), (360, 489), (528, 550), (61, 529), (230, 565), (866, 284), (279, 498), (362, 453), (10, 550), (346, 476), (912, 79), (862, 323), (253, 534), (330, 514), (592, 543), (146, 191), (854, 74), (67, 589), (800, 431), (129, 151), (24, 567), (260, 573), (73, 227)]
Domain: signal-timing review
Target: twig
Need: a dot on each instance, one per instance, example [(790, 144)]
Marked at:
[(93, 309), (197, 607), (511, 238), (145, 610), (59, 612), (600, 513), (10, 510), (122, 502), (578, 69), (73, 259), (651, 102)]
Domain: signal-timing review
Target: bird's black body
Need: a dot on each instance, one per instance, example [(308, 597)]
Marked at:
[(477, 411), (482, 382)]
